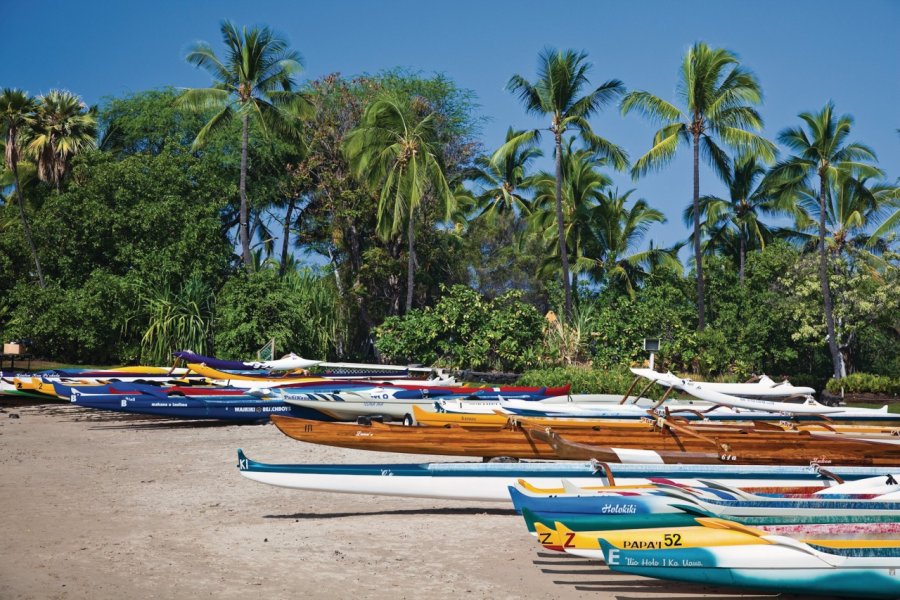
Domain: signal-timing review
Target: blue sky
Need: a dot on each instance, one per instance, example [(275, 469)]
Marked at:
[(804, 52)]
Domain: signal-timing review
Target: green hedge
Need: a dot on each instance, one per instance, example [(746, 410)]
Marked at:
[(861, 383), (588, 381)]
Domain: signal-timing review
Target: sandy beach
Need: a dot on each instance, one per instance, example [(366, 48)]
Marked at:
[(99, 505)]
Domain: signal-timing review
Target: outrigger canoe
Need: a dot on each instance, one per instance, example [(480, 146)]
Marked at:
[(756, 559), (227, 407), (702, 445), (764, 389), (490, 482), (671, 444), (546, 416), (401, 402), (699, 502)]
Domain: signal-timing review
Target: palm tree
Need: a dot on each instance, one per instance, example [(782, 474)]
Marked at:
[(256, 80), (582, 190), (395, 151), (561, 77), (15, 108), (60, 127), (823, 154), (734, 224), (852, 207), (717, 94), (502, 183), (890, 222), (618, 231)]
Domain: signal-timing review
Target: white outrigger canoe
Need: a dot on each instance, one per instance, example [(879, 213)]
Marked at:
[(490, 482), (710, 392), (764, 389)]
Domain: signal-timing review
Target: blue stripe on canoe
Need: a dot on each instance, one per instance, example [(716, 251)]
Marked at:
[(568, 469)]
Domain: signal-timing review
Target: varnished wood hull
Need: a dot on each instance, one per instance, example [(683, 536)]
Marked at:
[(729, 444), (754, 449)]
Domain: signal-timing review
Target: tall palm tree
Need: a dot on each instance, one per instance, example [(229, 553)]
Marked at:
[(503, 182), (736, 221), (823, 155), (852, 207), (60, 127), (618, 232), (395, 150), (582, 190), (717, 94), (255, 80), (15, 108), (562, 75)]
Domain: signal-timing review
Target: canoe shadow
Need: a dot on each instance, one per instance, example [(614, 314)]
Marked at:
[(161, 424), (398, 512)]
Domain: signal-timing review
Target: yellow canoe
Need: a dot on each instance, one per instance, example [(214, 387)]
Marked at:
[(232, 379), (708, 532)]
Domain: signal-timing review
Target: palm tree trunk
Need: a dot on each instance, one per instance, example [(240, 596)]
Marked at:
[(286, 236), (27, 227), (564, 255), (836, 360), (698, 258), (743, 257), (411, 266), (244, 226)]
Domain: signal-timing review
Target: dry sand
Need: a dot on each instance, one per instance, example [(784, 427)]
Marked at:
[(98, 505)]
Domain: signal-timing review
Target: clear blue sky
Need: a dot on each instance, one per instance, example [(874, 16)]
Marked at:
[(805, 52)]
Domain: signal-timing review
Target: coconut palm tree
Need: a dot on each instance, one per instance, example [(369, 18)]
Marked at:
[(15, 108), (503, 183), (852, 207), (735, 224), (562, 75), (256, 80), (582, 190), (395, 150), (891, 221), (618, 232), (717, 95), (60, 127), (823, 155)]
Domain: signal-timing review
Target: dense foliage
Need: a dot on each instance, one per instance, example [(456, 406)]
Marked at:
[(380, 225), (466, 330), (856, 383)]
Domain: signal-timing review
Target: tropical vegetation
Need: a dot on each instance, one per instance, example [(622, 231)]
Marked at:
[(367, 218)]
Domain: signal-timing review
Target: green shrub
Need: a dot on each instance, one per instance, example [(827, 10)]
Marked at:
[(83, 324), (467, 331), (861, 383), (300, 311), (587, 380)]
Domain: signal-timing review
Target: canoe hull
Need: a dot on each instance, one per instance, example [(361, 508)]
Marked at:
[(490, 482), (774, 568), (227, 408)]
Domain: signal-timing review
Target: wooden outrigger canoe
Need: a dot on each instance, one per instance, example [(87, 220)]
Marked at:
[(753, 447), (499, 420), (672, 444)]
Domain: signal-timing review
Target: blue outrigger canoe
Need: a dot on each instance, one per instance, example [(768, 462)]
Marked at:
[(243, 408)]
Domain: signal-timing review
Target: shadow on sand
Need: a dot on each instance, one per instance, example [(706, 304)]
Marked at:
[(400, 512)]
